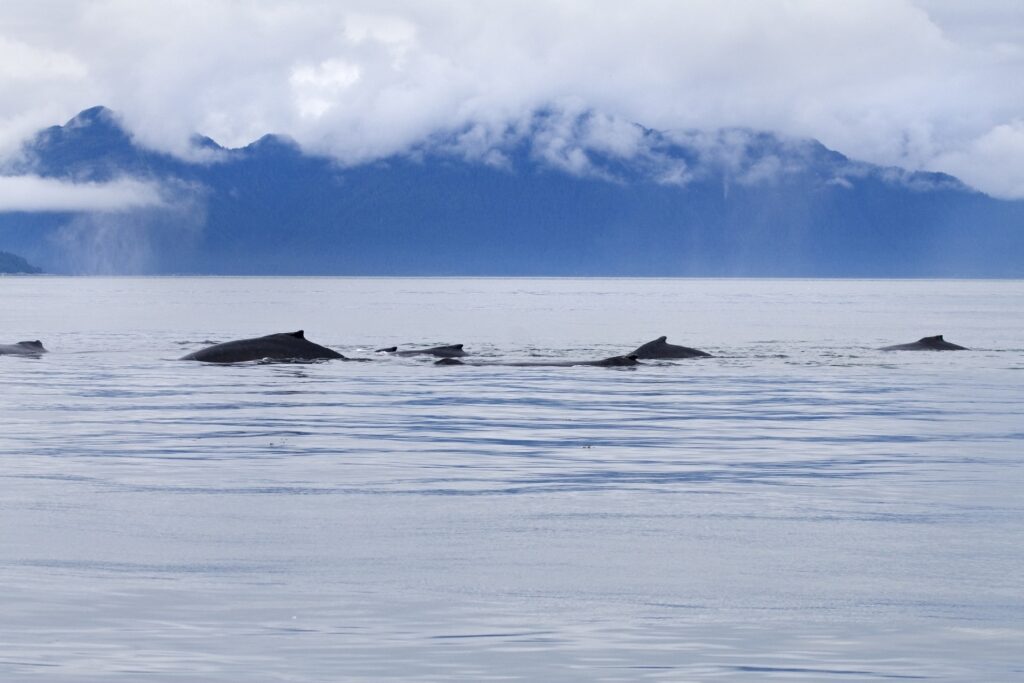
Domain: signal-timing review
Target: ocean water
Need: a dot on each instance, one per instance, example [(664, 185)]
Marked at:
[(799, 507)]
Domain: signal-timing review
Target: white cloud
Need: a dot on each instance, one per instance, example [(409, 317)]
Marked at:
[(33, 193), (35, 83), (317, 87), (992, 161), (763, 170), (919, 83), (19, 61)]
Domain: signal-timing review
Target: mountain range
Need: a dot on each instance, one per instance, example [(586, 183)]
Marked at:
[(557, 197)]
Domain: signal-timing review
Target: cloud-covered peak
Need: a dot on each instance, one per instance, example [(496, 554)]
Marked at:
[(94, 147), (94, 116), (920, 84)]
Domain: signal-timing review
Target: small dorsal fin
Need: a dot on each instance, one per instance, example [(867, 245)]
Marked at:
[(633, 356), (456, 346), (37, 344), (300, 334), (662, 339), (389, 349)]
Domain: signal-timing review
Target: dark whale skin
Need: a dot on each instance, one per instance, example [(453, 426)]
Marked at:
[(660, 348), (936, 343), (612, 362), (22, 348), (447, 351), (282, 346)]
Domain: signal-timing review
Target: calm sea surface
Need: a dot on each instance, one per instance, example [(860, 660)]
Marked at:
[(800, 507)]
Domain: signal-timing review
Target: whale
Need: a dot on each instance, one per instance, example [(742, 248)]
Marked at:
[(660, 348), (612, 362), (283, 346), (22, 348), (447, 351), (936, 343)]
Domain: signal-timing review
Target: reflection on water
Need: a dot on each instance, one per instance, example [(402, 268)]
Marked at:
[(800, 507)]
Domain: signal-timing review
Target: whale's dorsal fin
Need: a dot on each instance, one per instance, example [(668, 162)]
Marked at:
[(633, 356), (662, 339), (35, 344), (300, 334)]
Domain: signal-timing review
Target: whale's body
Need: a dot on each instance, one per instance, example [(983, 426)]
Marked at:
[(660, 348), (447, 351), (22, 348), (936, 343), (282, 346), (613, 362)]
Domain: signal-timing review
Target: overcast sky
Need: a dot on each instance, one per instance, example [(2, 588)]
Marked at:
[(925, 84)]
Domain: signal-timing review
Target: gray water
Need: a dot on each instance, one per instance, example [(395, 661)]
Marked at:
[(800, 507)]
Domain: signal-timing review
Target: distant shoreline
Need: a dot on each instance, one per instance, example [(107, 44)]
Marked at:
[(12, 264), (809, 278)]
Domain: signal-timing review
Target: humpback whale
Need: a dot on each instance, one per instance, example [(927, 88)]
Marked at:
[(448, 351), (281, 346), (936, 343), (660, 348), (613, 362), (22, 348)]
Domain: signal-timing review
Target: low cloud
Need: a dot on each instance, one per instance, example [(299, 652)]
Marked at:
[(992, 161), (35, 193)]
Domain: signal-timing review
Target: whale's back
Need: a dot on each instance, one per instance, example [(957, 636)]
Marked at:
[(23, 348), (934, 343), (280, 346), (660, 348)]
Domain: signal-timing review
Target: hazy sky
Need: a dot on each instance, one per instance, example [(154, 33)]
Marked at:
[(926, 84)]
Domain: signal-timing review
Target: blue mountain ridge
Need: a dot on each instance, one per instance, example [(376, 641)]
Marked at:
[(721, 203)]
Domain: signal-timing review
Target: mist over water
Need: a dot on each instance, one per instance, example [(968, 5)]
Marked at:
[(799, 507), (130, 242)]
